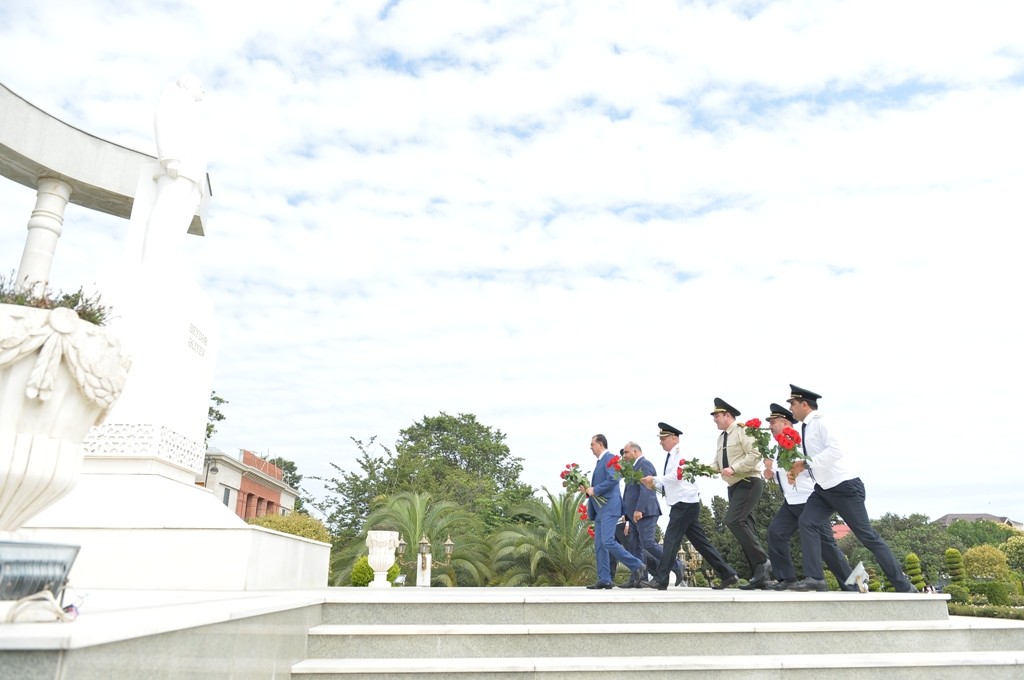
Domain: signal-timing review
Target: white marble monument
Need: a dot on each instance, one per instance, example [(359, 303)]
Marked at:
[(137, 512)]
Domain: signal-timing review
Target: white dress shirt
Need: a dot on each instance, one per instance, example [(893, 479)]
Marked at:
[(829, 465), (795, 495), (676, 490)]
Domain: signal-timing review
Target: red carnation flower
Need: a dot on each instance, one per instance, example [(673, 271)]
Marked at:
[(590, 531), (679, 473), (753, 422)]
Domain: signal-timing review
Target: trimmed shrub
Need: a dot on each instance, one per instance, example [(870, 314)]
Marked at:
[(955, 566), (362, 572), (995, 592), (913, 568), (874, 582), (957, 593), (296, 524), (989, 611), (986, 562)]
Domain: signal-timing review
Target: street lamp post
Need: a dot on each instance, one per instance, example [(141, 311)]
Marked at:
[(425, 563)]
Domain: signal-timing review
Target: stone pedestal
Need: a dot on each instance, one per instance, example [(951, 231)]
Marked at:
[(382, 545)]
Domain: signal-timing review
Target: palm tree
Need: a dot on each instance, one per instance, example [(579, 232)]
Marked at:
[(414, 516), (554, 550)]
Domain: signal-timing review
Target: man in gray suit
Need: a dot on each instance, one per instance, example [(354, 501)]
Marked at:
[(641, 509)]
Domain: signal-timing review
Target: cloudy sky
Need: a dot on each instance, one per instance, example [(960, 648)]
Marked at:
[(580, 217)]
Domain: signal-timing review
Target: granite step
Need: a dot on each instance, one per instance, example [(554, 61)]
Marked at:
[(484, 606), (918, 665), (736, 638)]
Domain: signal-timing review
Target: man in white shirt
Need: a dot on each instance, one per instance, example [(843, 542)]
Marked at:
[(684, 516), (787, 519), (837, 489)]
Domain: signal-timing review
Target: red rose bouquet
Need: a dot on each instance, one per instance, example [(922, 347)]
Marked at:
[(787, 448), (691, 469), (625, 470), (573, 478), (761, 437)]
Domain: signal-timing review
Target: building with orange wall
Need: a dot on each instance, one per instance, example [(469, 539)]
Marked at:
[(248, 483)]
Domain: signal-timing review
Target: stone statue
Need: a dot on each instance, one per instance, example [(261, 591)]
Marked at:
[(181, 151)]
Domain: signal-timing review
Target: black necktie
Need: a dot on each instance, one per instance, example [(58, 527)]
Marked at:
[(803, 439), (667, 456), (725, 456)]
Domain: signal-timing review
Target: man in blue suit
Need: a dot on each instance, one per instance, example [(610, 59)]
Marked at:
[(641, 508), (605, 483)]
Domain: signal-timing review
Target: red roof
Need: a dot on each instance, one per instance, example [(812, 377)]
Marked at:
[(840, 530)]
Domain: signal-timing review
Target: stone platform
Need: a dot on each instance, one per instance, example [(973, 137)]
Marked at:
[(506, 633)]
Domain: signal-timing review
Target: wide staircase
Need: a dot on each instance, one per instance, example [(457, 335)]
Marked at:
[(519, 633)]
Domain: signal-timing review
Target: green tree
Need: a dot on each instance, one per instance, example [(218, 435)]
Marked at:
[(214, 415), (350, 498), (290, 476), (981, 531), (986, 562), (1014, 550), (453, 458), (553, 549), (955, 567), (459, 459), (912, 566)]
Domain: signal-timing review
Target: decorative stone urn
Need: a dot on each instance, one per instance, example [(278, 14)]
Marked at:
[(59, 376), (382, 545)]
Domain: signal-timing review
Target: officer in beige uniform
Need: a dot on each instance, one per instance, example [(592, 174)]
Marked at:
[(740, 465)]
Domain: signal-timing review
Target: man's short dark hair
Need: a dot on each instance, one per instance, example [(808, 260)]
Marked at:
[(601, 439)]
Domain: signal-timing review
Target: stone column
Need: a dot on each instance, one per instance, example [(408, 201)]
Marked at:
[(44, 228)]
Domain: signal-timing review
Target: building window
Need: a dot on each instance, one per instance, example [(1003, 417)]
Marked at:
[(227, 496)]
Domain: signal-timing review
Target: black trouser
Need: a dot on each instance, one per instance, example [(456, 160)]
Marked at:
[(684, 522), (786, 523), (743, 498), (846, 499), (644, 545)]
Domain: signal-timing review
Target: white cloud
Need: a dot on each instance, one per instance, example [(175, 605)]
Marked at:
[(579, 217)]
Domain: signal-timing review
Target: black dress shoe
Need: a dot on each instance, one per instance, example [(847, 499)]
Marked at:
[(639, 575), (627, 584), (654, 585), (783, 585), (808, 585), (755, 584), (726, 582), (600, 585)]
